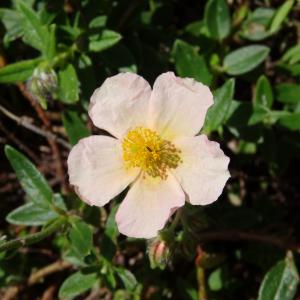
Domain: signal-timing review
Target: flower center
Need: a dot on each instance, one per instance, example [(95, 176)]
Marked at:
[(145, 149)]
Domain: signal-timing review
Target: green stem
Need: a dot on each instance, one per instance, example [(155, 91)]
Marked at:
[(202, 295), (63, 57), (175, 221), (35, 237), (168, 234)]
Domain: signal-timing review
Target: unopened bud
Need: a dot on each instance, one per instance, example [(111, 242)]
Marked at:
[(159, 253), (43, 85)]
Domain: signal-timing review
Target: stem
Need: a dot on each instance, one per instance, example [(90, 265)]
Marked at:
[(175, 221), (52, 143), (63, 57), (235, 235), (33, 238), (23, 122), (202, 295), (168, 234), (48, 270)]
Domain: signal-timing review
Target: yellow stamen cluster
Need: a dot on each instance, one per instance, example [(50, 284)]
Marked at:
[(145, 149)]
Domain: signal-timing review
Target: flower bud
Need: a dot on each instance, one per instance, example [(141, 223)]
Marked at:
[(159, 253), (43, 85)]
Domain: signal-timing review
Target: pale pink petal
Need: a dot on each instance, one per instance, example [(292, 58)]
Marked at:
[(204, 170), (178, 106), (96, 169), (148, 205), (120, 103)]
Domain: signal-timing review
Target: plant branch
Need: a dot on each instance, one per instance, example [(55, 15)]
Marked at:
[(47, 270), (175, 220), (35, 237), (10, 135), (202, 295), (235, 235), (43, 117), (23, 121)]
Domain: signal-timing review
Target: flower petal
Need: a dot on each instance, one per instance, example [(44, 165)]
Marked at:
[(148, 205), (120, 103), (97, 171), (204, 170), (178, 105)]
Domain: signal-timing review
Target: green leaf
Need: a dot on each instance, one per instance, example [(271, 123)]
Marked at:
[(11, 21), (31, 214), (74, 126), (245, 59), (50, 50), (280, 283), (263, 100), (35, 33), (104, 40), (293, 69), (32, 181), (292, 55), (68, 85), (189, 63), (263, 93), (81, 237), (260, 114), (98, 22), (288, 93), (77, 284), (291, 121), (217, 19), (110, 277), (108, 245), (111, 228), (59, 202), (128, 279), (255, 28), (215, 281), (217, 113), (275, 115), (281, 15), (19, 71)]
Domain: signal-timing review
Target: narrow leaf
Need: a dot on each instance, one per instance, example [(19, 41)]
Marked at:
[(217, 113), (281, 15), (77, 284), (245, 59), (104, 40), (291, 121), (263, 93), (11, 21), (50, 50), (68, 85), (280, 283), (217, 19), (128, 279), (189, 63), (31, 214), (292, 55), (19, 71), (32, 181), (35, 33), (81, 237), (108, 245), (288, 93), (98, 22)]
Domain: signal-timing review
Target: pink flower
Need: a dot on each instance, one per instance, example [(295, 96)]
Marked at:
[(154, 149)]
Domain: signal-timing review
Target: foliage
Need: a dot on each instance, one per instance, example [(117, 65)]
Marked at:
[(54, 54)]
